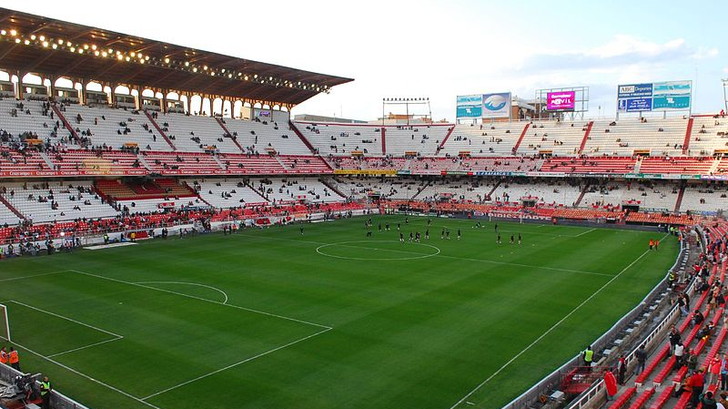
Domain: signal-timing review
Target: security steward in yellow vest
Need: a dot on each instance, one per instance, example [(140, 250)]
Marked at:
[(45, 393), (588, 357)]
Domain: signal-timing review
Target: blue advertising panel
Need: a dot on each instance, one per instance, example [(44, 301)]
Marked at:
[(634, 91), (672, 88), (469, 106), (671, 102), (470, 99), (635, 104), (496, 105), (469, 111), (658, 96)]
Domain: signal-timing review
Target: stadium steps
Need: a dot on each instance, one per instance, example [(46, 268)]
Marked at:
[(442, 144), (280, 162), (688, 132), (12, 209), (197, 195), (229, 134), (383, 133), (47, 160), (332, 187), (490, 194), (303, 139), (680, 195), (581, 195), (586, 136), (219, 163), (256, 191), (65, 122), (637, 165), (159, 129), (622, 400), (520, 138), (714, 167), (421, 189), (144, 162)]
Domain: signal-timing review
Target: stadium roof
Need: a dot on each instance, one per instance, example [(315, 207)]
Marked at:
[(36, 44)]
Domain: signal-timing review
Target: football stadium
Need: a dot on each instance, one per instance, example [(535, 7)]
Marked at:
[(172, 236)]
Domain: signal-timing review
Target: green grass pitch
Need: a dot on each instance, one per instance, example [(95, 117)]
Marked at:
[(331, 319)]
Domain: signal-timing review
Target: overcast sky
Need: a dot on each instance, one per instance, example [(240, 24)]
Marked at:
[(440, 49)]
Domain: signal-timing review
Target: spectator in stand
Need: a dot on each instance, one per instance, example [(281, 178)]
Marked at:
[(588, 356), (14, 359), (679, 354), (724, 372), (696, 382), (674, 338), (641, 356), (707, 400)]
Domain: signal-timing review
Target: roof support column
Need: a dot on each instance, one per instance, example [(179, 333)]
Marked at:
[(52, 88), (138, 99), (19, 86), (164, 101)]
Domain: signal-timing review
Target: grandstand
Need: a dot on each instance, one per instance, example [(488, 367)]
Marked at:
[(86, 165)]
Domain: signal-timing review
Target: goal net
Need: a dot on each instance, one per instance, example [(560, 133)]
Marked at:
[(4, 323)]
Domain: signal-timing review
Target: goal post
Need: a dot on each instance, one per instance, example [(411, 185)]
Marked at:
[(4, 323)]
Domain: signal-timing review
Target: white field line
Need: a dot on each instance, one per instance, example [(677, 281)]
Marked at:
[(548, 331), (68, 319), (203, 299), (83, 375), (233, 365), (224, 294), (506, 263), (84, 347), (33, 276), (585, 232)]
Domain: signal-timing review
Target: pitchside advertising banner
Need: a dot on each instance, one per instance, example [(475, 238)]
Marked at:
[(658, 96), (496, 105), (561, 101)]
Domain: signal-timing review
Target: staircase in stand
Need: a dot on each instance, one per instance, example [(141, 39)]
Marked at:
[(47, 160), (714, 166), (520, 138), (256, 191), (144, 162), (442, 144), (65, 122), (331, 187), (420, 190), (680, 195), (280, 162), (637, 165), (581, 195), (159, 129), (384, 144), (586, 136), (200, 198), (219, 162), (12, 208), (303, 139), (490, 194), (229, 134), (688, 133)]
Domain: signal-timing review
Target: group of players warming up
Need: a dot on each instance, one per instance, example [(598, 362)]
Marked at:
[(407, 234)]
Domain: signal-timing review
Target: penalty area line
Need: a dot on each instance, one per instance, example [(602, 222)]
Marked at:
[(149, 287), (262, 354), (83, 375), (548, 331)]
